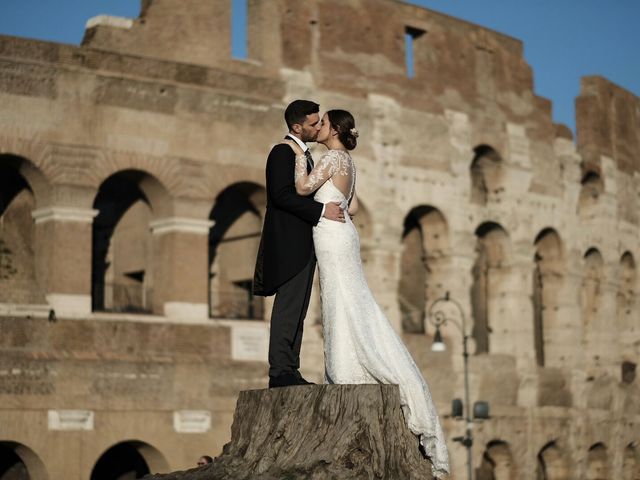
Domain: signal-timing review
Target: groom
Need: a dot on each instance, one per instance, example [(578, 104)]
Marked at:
[(286, 260)]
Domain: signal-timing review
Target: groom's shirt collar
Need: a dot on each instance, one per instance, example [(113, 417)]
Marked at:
[(302, 145)]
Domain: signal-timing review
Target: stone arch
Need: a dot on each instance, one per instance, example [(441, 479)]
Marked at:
[(592, 188), (129, 459), (490, 273), (18, 199), (487, 175), (497, 462), (552, 463), (19, 462), (30, 159), (631, 463), (548, 279), (37, 182), (234, 239), (597, 463), (177, 176), (122, 245), (425, 242)]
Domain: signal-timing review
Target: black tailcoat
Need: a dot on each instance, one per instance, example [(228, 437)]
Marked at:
[(286, 244)]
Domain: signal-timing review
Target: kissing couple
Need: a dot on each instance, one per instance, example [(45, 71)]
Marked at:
[(308, 219)]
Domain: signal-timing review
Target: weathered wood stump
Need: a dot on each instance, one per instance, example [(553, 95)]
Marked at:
[(317, 432)]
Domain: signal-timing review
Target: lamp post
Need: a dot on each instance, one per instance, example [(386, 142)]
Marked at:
[(438, 317)]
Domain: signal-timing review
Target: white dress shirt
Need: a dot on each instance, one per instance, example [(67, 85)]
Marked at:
[(300, 143)]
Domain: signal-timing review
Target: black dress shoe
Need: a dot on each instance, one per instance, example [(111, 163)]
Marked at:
[(302, 381), (285, 380)]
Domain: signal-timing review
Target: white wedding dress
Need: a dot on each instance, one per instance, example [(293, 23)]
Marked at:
[(360, 344)]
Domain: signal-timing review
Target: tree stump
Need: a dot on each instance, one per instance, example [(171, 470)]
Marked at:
[(317, 432)]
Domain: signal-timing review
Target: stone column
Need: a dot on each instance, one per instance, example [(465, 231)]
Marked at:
[(181, 268), (569, 341), (561, 318), (512, 323), (63, 258), (456, 279), (603, 344), (518, 314)]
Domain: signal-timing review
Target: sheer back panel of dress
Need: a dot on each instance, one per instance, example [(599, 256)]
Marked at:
[(344, 176), (335, 166)]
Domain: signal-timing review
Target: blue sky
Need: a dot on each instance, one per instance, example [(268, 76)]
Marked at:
[(563, 39)]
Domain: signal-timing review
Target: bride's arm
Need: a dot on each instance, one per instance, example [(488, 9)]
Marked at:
[(353, 206), (324, 169)]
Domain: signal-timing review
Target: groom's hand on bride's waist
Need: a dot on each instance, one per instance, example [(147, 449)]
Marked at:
[(333, 211)]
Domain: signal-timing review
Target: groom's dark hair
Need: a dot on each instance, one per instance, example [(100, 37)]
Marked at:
[(297, 111)]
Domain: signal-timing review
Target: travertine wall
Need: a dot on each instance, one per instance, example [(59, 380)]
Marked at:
[(135, 193)]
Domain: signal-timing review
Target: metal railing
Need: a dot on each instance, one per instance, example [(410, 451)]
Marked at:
[(123, 298)]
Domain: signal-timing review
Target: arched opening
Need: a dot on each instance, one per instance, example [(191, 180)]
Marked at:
[(497, 462), (18, 279), (631, 463), (18, 462), (490, 273), (425, 242), (233, 245), (122, 246), (552, 463), (547, 288), (487, 175), (626, 291), (597, 463), (11, 465), (129, 460), (592, 188)]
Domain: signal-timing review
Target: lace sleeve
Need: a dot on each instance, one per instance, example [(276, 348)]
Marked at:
[(323, 171)]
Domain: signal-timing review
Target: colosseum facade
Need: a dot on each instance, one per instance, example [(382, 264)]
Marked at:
[(132, 194)]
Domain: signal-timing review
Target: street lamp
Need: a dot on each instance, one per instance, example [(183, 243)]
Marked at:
[(439, 318)]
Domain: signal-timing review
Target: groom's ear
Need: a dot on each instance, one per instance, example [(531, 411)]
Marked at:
[(297, 128)]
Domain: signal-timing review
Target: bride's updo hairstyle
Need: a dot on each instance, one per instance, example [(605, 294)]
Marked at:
[(343, 123)]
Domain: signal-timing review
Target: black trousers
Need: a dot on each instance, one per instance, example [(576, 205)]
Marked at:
[(287, 321)]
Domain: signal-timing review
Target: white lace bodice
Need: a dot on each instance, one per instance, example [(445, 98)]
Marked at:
[(335, 168)]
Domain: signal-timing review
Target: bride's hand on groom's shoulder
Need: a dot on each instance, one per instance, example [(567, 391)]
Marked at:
[(333, 211), (295, 147)]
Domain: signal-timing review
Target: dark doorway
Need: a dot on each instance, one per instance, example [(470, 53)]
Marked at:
[(11, 465), (120, 462)]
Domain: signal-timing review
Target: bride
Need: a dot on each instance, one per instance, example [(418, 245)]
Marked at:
[(359, 342)]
